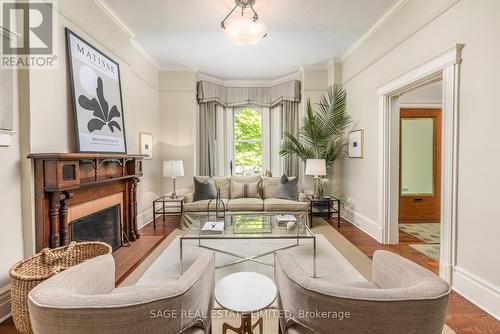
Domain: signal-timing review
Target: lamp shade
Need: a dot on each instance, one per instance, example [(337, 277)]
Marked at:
[(315, 167), (246, 31), (173, 168)]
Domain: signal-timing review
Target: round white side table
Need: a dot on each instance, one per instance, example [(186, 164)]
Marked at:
[(244, 293)]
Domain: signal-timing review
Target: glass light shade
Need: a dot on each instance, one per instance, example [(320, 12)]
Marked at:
[(315, 167), (245, 31), (173, 168)]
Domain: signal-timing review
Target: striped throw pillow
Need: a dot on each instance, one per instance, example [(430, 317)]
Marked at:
[(245, 190)]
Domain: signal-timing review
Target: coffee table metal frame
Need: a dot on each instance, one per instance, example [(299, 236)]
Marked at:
[(242, 258)]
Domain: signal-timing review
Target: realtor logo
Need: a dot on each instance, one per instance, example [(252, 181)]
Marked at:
[(28, 28)]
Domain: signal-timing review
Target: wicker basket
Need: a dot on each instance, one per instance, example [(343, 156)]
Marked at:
[(27, 274)]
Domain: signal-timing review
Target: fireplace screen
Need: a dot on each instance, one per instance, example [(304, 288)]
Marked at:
[(102, 226)]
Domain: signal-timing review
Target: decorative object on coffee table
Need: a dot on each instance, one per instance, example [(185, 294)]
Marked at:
[(166, 209), (316, 168), (245, 293), (324, 207), (28, 273), (97, 98), (219, 210), (173, 169)]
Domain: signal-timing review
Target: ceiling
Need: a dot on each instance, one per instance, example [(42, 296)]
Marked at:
[(187, 33)]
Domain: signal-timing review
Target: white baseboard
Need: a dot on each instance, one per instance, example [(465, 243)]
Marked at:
[(363, 223), (144, 218), (484, 294), (4, 302)]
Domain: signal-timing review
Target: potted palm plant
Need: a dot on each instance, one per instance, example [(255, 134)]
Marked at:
[(322, 133)]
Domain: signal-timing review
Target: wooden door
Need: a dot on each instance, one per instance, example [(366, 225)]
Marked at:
[(420, 166)]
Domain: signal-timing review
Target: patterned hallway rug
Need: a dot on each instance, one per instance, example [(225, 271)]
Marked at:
[(429, 233), (430, 250)]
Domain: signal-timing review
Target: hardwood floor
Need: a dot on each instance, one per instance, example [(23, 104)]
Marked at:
[(463, 316), (128, 258)]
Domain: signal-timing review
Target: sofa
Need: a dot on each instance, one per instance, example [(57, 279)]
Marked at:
[(83, 300), (266, 204), (402, 297)]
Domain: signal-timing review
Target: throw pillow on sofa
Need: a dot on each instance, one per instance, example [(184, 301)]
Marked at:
[(287, 188), (245, 190), (204, 189)]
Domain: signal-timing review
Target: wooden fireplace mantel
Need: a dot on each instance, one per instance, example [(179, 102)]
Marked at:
[(66, 179)]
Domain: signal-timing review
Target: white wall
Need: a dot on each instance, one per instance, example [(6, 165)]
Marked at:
[(417, 32), (45, 124), (430, 95), (11, 238), (50, 110)]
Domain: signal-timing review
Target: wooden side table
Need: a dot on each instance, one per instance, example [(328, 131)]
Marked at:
[(165, 209), (245, 293), (323, 207)]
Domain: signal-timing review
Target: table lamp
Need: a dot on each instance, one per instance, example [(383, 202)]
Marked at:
[(316, 168), (173, 169)]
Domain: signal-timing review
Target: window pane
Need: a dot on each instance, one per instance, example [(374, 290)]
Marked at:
[(417, 156), (248, 142), (248, 125)]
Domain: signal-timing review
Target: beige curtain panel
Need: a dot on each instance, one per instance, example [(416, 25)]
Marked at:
[(240, 96), (290, 124), (206, 141)]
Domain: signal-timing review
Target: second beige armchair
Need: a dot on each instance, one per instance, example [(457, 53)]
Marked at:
[(401, 298)]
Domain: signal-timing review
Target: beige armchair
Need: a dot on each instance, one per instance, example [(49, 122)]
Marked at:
[(83, 300), (402, 298)]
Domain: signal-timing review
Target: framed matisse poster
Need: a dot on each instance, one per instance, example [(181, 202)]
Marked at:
[(356, 144), (97, 98)]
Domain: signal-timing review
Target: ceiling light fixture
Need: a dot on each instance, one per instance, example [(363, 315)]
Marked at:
[(244, 30)]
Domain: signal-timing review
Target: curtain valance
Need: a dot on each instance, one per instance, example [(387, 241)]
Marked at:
[(238, 96)]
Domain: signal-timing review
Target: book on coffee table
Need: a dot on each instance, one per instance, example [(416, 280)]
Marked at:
[(213, 228), (283, 219)]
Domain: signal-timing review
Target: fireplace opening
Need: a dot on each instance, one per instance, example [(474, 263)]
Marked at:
[(104, 226)]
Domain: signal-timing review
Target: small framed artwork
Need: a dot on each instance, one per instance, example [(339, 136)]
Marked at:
[(97, 98), (146, 144), (356, 145)]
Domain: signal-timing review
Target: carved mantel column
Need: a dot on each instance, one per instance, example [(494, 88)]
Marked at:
[(54, 207)]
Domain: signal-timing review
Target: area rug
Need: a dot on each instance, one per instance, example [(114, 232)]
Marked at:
[(430, 250), (429, 233), (351, 253)]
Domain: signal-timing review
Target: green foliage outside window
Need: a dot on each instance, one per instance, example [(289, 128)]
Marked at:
[(248, 140)]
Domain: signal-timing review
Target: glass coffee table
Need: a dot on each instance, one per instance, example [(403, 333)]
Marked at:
[(245, 227)]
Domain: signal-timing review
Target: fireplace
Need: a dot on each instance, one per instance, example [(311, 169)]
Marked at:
[(70, 188), (104, 225)]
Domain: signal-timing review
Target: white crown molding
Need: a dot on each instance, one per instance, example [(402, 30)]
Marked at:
[(433, 16), (123, 27), (178, 69), (376, 26), (9, 34), (319, 67), (144, 53), (114, 17), (484, 294)]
